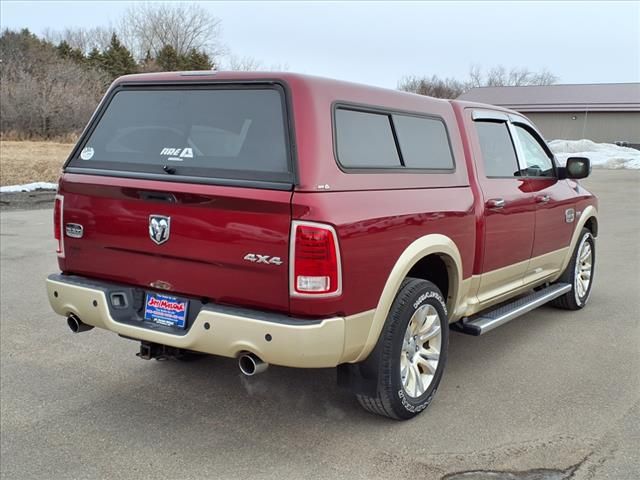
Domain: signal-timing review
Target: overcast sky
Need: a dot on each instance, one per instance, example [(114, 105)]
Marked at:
[(379, 42)]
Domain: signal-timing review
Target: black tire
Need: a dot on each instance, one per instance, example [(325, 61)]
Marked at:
[(384, 362), (572, 300)]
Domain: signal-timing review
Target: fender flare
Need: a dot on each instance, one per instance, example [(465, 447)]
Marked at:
[(589, 212), (420, 248)]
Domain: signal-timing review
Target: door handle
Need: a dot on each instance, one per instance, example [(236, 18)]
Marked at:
[(158, 196), (496, 203), (543, 198)]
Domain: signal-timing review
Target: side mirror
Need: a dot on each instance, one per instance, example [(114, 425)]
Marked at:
[(576, 168)]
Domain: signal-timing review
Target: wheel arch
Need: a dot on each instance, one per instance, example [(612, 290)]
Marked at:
[(439, 269), (588, 219), (431, 251), (592, 225)]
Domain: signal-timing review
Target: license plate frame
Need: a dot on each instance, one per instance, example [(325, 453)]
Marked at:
[(166, 310)]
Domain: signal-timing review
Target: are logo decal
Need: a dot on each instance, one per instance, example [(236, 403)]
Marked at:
[(177, 153)]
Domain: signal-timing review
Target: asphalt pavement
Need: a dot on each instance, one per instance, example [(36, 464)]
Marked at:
[(551, 395)]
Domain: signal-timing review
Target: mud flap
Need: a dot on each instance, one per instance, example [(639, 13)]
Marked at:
[(356, 379)]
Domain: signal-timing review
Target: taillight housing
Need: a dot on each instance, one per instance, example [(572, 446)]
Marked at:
[(58, 224), (315, 269)]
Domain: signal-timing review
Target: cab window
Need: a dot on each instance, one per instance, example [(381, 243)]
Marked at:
[(497, 149), (536, 159)]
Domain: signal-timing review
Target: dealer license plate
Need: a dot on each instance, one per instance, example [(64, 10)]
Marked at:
[(166, 310)]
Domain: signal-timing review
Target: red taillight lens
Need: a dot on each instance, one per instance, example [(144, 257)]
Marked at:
[(315, 260), (57, 223)]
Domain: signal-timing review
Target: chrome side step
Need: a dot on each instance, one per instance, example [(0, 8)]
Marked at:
[(486, 321)]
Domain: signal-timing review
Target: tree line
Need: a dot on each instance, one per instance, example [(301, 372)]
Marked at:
[(499, 76), (50, 85)]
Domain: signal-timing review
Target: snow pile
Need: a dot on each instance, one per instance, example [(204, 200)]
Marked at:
[(29, 187), (602, 155)]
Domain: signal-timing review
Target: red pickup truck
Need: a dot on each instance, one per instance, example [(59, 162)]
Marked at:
[(307, 222)]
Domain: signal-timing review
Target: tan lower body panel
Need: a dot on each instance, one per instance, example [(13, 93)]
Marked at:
[(325, 344), (491, 288)]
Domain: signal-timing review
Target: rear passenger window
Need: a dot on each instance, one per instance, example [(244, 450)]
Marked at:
[(365, 139), (498, 152), (423, 142)]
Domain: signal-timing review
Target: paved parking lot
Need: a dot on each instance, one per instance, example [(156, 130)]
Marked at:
[(553, 390)]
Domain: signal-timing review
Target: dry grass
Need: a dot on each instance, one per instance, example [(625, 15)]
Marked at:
[(18, 136), (27, 161)]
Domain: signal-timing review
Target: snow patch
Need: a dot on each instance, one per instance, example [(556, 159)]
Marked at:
[(29, 187), (602, 155)]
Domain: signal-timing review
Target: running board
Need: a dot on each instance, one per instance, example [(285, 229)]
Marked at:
[(487, 321)]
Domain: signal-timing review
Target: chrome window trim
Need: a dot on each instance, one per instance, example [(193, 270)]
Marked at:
[(512, 120), (520, 151), (522, 163), (481, 114)]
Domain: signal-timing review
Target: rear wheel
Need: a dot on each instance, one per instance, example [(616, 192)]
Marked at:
[(579, 274), (410, 356)]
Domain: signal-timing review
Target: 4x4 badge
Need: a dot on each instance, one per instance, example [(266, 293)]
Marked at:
[(159, 228)]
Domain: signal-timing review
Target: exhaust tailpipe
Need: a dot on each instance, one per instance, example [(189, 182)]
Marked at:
[(250, 364), (76, 325)]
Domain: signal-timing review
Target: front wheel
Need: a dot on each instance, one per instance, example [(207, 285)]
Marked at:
[(579, 274), (410, 356)]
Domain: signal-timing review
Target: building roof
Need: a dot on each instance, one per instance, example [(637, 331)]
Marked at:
[(603, 97)]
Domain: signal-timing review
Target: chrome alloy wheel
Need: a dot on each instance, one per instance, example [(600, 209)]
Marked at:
[(420, 351), (584, 269)]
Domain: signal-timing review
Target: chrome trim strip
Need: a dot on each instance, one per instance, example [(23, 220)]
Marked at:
[(522, 163), (60, 197), (479, 114)]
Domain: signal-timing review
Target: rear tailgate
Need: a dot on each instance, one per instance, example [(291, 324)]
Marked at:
[(184, 190)]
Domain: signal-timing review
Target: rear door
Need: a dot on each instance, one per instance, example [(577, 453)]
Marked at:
[(509, 207), (185, 189)]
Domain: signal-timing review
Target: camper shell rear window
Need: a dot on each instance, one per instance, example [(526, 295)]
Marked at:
[(238, 133)]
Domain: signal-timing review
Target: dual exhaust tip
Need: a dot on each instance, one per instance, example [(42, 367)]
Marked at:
[(249, 363)]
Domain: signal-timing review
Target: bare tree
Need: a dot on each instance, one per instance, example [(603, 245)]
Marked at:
[(497, 76), (56, 101), (41, 93), (250, 64), (432, 86), (148, 27), (84, 39), (475, 76), (242, 64)]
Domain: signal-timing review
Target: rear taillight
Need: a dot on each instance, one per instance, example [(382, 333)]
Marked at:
[(315, 260), (57, 224)]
